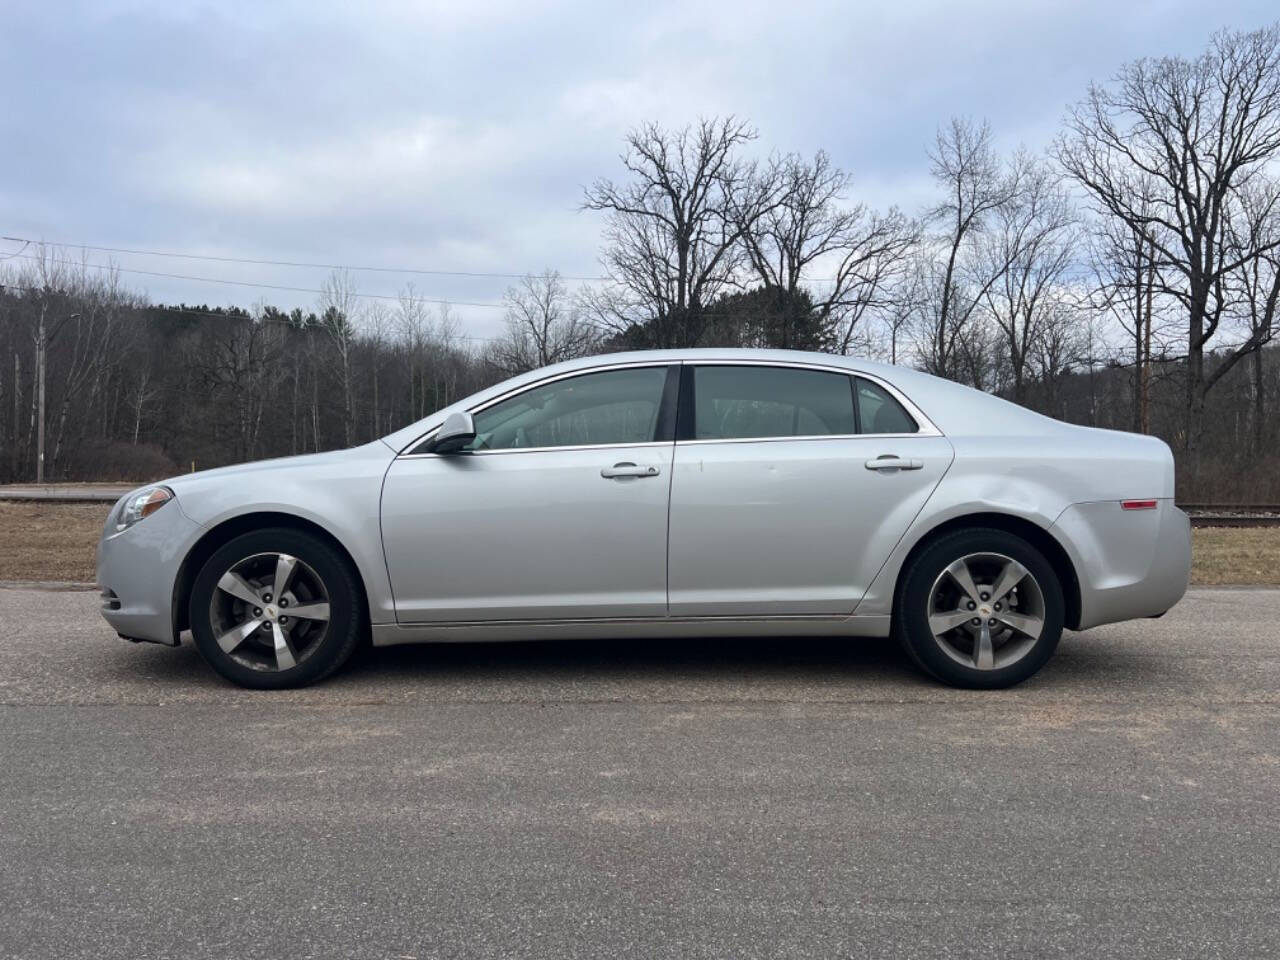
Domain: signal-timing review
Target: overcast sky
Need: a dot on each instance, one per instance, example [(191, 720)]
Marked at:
[(459, 135)]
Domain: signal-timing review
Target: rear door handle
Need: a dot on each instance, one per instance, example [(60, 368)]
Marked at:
[(628, 470), (890, 462)]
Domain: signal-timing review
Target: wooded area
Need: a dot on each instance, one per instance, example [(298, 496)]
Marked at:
[(1128, 277)]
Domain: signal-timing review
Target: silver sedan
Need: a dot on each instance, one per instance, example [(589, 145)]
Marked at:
[(666, 493)]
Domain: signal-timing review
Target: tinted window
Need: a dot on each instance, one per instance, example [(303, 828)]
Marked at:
[(742, 402), (879, 412), (616, 406)]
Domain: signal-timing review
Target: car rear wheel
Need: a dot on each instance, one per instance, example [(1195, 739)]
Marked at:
[(276, 608), (980, 608)]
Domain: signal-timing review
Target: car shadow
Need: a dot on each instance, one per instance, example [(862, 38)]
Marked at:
[(1088, 665), (739, 669), (766, 656)]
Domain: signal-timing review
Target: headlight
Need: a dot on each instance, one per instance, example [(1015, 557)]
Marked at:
[(142, 504)]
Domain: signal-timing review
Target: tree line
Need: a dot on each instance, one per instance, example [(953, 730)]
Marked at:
[(1128, 276)]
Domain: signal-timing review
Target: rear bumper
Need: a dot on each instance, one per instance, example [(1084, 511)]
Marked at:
[(137, 570), (1130, 563)]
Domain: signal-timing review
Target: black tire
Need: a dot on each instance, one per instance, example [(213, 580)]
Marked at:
[(914, 599), (346, 614)]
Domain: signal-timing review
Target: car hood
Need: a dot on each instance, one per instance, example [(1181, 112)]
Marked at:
[(262, 470)]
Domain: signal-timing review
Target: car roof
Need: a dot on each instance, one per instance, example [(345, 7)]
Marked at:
[(712, 354), (953, 408)]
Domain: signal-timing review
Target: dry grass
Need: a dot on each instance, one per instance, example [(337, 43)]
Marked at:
[(55, 541), (49, 541), (1235, 555)]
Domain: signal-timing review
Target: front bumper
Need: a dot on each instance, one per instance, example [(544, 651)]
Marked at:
[(1130, 563), (137, 570)]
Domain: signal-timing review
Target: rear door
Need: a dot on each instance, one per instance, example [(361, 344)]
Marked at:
[(790, 486)]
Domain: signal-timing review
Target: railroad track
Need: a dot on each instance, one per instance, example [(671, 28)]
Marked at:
[(1230, 508), (1233, 514), (1208, 520)]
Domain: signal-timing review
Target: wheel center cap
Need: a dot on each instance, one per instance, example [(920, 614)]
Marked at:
[(984, 610), (271, 613)]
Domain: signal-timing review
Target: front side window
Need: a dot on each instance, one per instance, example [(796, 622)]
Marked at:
[(879, 412), (614, 406), (743, 402)]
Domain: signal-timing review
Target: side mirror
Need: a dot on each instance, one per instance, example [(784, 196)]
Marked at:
[(458, 430)]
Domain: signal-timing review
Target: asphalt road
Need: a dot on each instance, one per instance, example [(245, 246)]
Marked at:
[(692, 799)]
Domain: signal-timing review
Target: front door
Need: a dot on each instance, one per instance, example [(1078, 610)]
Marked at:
[(784, 500), (558, 509)]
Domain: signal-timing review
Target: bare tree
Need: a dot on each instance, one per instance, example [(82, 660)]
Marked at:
[(1166, 149), (975, 186), (143, 393), (446, 348), (85, 307), (1253, 288), (377, 327), (980, 359), (338, 306), (808, 228), (544, 326), (414, 322), (672, 237), (904, 303), (1030, 248), (1128, 283), (236, 364), (100, 341), (1061, 341)]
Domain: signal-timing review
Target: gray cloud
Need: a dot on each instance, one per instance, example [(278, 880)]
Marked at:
[(458, 135)]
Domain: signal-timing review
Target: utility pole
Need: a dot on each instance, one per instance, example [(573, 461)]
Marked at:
[(1145, 372), (40, 347), (42, 352), (17, 401), (17, 413)]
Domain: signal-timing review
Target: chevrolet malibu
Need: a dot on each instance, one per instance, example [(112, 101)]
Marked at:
[(669, 493)]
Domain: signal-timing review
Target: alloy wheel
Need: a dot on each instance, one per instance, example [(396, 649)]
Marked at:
[(986, 611), (270, 611)]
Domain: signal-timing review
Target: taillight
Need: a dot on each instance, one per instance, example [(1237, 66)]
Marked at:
[(1138, 504)]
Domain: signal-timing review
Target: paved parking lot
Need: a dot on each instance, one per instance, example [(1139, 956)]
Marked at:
[(710, 798)]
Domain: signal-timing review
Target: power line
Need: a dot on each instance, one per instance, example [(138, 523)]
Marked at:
[(250, 283), (479, 274), (271, 286), (24, 246), (298, 263), (489, 305)]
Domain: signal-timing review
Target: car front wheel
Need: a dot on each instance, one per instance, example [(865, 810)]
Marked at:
[(276, 608), (980, 608)]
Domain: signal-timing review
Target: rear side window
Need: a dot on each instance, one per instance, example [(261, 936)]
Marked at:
[(745, 402), (879, 412)]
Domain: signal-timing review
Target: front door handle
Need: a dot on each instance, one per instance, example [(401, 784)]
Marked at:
[(628, 469), (889, 462)]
